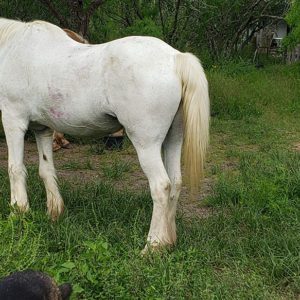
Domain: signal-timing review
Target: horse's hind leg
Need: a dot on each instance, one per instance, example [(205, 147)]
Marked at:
[(55, 203), (14, 132), (172, 157), (162, 231)]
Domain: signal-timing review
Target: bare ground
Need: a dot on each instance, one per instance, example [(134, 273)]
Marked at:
[(79, 165), (297, 148)]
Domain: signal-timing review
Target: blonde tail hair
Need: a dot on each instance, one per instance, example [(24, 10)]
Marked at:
[(196, 115)]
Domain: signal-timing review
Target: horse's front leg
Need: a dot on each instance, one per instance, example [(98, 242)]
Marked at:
[(15, 129), (55, 203)]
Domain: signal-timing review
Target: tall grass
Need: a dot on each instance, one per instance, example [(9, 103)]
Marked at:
[(241, 91)]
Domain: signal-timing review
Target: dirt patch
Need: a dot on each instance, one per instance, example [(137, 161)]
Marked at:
[(296, 147), (78, 165)]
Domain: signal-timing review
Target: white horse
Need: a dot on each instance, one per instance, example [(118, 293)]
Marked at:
[(159, 95)]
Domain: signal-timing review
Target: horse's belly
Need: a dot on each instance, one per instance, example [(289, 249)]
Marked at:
[(100, 126)]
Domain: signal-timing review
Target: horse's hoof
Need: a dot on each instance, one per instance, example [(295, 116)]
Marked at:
[(54, 214), (20, 209), (156, 247), (147, 250)]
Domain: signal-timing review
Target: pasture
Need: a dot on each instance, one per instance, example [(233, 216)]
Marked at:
[(239, 239)]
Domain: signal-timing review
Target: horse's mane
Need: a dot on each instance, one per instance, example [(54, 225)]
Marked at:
[(8, 28)]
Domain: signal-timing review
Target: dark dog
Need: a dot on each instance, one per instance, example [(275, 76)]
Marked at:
[(32, 285)]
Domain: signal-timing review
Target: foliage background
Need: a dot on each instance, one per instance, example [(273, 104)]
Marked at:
[(293, 19), (214, 30)]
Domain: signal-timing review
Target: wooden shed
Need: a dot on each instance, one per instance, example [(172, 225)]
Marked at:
[(269, 41)]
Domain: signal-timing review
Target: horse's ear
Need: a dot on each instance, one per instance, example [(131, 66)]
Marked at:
[(65, 290)]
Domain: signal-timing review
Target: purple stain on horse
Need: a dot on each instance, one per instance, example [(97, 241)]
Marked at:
[(56, 113), (55, 94)]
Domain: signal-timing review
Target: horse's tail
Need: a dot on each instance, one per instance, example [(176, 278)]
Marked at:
[(196, 114)]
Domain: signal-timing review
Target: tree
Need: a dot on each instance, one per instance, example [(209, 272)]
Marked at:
[(226, 26), (213, 29), (293, 19), (23, 10), (73, 14)]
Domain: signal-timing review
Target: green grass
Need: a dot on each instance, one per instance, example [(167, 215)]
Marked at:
[(116, 169), (249, 248), (75, 165)]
